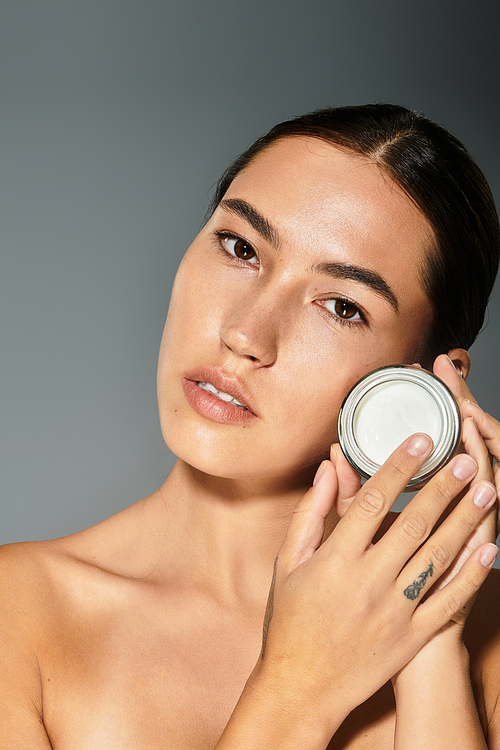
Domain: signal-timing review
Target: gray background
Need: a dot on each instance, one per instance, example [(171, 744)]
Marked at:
[(117, 117)]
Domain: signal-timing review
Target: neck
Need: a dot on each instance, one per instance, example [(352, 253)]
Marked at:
[(224, 534)]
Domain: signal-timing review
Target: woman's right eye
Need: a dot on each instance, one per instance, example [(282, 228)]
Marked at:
[(238, 248)]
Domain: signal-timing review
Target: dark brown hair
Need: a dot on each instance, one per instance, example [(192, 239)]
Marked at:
[(437, 172)]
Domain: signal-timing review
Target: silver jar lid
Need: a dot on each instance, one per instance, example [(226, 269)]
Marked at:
[(387, 406)]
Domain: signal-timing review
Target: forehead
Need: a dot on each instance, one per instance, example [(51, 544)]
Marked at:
[(319, 195)]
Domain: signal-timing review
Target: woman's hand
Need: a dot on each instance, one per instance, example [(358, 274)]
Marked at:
[(438, 676), (346, 615), (486, 427), (481, 440), (352, 600)]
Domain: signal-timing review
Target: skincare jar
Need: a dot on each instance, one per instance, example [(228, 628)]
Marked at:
[(387, 406)]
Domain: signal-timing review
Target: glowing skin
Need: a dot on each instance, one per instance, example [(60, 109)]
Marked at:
[(266, 316), (146, 630)]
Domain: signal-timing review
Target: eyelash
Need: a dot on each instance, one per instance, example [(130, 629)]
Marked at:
[(337, 318), (220, 236)]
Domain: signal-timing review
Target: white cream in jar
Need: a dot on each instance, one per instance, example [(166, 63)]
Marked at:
[(390, 404)]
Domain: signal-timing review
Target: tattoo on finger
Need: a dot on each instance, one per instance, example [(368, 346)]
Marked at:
[(413, 591)]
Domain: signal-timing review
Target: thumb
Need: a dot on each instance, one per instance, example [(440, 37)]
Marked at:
[(307, 524), (349, 481)]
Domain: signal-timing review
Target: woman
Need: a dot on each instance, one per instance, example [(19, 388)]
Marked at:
[(340, 242)]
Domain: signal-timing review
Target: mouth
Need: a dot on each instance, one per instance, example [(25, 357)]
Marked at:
[(220, 394), (217, 397)]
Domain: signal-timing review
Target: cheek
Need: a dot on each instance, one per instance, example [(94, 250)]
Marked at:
[(192, 310), (312, 399), (405, 343), (301, 396)]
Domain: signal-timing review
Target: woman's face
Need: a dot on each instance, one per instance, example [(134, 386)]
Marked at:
[(306, 277)]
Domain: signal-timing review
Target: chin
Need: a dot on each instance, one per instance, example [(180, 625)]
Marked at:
[(242, 452), (208, 457), (222, 459)]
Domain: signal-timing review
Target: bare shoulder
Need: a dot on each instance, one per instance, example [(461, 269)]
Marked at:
[(37, 578), (25, 610), (33, 579), (56, 599), (25, 578), (49, 589)]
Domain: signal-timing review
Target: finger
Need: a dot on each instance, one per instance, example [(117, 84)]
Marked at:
[(488, 426), (416, 522), (348, 479), (489, 430), (475, 446), (306, 528), (445, 544), (445, 370), (357, 527), (444, 604), (485, 531), (349, 483)]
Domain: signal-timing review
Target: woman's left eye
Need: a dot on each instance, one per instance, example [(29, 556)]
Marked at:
[(343, 308), (239, 248)]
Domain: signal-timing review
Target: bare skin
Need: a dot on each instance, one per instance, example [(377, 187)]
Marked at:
[(143, 631), (160, 670)]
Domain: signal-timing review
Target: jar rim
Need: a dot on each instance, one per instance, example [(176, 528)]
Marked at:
[(449, 410)]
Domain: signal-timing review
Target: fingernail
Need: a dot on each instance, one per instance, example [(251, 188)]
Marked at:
[(319, 473), (488, 555), (452, 364), (484, 495), (333, 455), (464, 468), (418, 444)]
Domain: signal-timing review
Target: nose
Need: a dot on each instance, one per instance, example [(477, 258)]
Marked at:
[(251, 329)]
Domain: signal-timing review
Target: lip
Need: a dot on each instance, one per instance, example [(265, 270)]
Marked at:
[(208, 405)]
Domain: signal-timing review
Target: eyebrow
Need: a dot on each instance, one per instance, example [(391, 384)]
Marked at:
[(246, 211), (361, 275), (371, 279)]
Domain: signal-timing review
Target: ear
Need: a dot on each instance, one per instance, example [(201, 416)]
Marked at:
[(461, 360)]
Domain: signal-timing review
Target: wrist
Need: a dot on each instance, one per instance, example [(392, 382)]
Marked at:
[(444, 656), (273, 711)]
